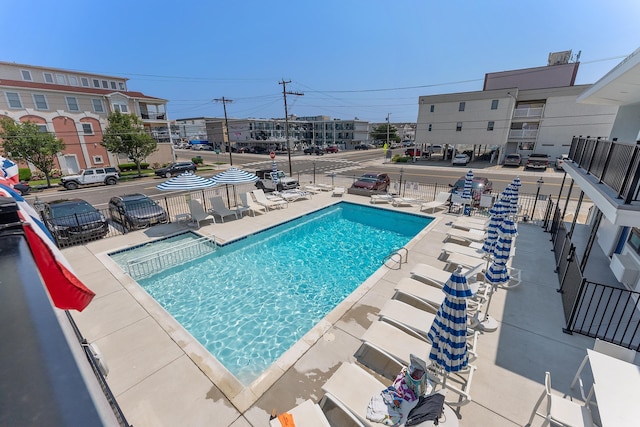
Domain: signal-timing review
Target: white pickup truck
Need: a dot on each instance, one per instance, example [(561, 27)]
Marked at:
[(106, 176), (267, 184), (560, 160)]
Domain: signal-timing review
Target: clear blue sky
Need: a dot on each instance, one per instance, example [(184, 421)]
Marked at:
[(350, 58)]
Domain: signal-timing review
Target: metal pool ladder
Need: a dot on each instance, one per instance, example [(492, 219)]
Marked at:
[(150, 264), (397, 258)]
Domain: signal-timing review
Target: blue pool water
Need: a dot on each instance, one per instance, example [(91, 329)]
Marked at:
[(252, 299)]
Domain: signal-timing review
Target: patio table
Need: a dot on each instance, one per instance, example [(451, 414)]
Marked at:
[(617, 389)]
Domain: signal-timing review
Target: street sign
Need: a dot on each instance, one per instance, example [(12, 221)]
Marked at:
[(272, 155)]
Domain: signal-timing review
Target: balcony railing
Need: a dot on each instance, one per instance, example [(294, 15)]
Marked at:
[(523, 133), (153, 116), (613, 164), (520, 113)]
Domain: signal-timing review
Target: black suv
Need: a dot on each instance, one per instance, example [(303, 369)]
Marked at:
[(176, 169), (135, 211), (318, 151), (74, 221)]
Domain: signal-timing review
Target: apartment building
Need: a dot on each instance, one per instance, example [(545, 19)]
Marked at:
[(518, 111), (75, 106), (272, 134)]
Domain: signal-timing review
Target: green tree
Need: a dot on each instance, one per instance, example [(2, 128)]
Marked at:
[(125, 134), (24, 141), (379, 133)]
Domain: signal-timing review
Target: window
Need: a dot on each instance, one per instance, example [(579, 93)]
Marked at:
[(634, 240), (26, 75), (113, 85), (121, 108), (121, 85), (459, 127), (432, 108), (490, 125), (98, 160), (105, 84), (494, 104), (48, 77), (96, 83), (72, 103), (73, 80), (61, 79), (429, 127), (461, 106), (84, 81), (87, 129), (40, 101), (97, 105), (13, 99)]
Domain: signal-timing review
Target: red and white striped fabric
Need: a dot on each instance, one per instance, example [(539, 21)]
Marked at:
[(66, 291)]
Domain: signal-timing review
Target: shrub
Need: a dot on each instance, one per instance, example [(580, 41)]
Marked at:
[(197, 160), (132, 166), (400, 159), (24, 174)]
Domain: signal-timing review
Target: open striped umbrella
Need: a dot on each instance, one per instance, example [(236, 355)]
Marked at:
[(448, 333), (185, 181), (233, 176)]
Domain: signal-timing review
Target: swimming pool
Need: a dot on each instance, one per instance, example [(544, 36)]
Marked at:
[(252, 299)]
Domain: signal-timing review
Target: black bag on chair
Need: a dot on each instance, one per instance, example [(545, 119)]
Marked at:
[(428, 408)]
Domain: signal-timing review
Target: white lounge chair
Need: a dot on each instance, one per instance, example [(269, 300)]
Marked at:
[(404, 201), (460, 259), (451, 248), (198, 213), (440, 201), (392, 342), (293, 195), (433, 296), (218, 208), (380, 198), (472, 235), (247, 201), (261, 199), (313, 188), (438, 277), (305, 414), (338, 191), (468, 223)]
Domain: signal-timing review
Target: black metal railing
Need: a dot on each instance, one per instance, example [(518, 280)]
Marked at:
[(614, 164)]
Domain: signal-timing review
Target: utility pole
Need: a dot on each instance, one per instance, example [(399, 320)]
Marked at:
[(286, 119), (226, 124), (388, 125)]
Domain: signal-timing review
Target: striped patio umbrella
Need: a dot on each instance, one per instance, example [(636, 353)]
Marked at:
[(515, 188), (497, 213), (467, 194), (185, 181), (498, 274), (233, 176), (274, 173), (448, 333)]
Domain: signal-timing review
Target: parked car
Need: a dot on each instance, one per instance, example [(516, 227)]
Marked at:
[(413, 152), (259, 149), (332, 149), (176, 168), (481, 185), (74, 221), (537, 161), (460, 159), (22, 187), (407, 143), (373, 181), (135, 211), (318, 151), (560, 160), (362, 147), (513, 159)]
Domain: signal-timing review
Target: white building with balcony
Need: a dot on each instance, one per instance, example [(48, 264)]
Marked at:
[(518, 111)]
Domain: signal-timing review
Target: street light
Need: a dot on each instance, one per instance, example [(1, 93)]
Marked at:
[(539, 182)]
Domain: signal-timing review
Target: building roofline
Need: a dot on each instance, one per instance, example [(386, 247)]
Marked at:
[(66, 70)]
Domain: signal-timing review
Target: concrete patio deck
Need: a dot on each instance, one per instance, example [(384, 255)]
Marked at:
[(161, 377)]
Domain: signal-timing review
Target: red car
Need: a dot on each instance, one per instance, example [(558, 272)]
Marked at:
[(332, 149), (373, 181)]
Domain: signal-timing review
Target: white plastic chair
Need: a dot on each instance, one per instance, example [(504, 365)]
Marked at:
[(247, 201), (604, 347), (561, 411)]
